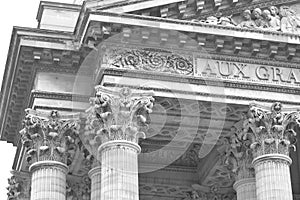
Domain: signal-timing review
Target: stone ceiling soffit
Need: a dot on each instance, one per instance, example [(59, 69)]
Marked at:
[(22, 65), (180, 34)]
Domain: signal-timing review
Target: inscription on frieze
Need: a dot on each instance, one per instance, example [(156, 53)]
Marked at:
[(246, 72), (190, 64)]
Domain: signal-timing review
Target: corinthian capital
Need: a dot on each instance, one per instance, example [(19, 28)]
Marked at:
[(271, 130), (238, 155), (50, 136), (122, 115), (18, 186)]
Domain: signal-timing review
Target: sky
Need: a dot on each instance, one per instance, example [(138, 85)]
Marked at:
[(13, 13)]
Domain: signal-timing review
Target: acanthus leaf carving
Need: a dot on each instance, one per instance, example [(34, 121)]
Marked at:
[(238, 154), (150, 60), (50, 136), (122, 115), (271, 131), (19, 186), (79, 190)]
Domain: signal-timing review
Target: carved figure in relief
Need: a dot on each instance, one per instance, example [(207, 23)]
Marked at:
[(212, 20), (248, 22), (271, 22), (274, 12), (226, 21), (258, 19), (290, 22)]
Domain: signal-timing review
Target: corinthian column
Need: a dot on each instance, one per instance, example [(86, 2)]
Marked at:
[(50, 141), (238, 158), (272, 134), (114, 124)]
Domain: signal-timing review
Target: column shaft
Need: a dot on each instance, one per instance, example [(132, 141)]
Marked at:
[(48, 180), (245, 189), (95, 175), (119, 170), (273, 177)]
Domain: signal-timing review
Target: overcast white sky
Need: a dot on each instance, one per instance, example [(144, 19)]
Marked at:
[(13, 13)]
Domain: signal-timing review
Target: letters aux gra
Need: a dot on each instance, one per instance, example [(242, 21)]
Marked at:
[(246, 71)]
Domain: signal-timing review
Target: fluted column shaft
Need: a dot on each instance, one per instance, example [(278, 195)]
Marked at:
[(119, 170), (245, 189), (48, 180), (273, 177), (95, 175)]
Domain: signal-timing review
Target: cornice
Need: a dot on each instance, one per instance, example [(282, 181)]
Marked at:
[(20, 72), (184, 25), (59, 5), (138, 5), (187, 27), (199, 9)]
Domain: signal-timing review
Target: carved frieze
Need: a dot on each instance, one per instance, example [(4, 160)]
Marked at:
[(284, 19), (150, 60), (122, 115), (271, 130), (214, 192), (50, 136), (79, 190)]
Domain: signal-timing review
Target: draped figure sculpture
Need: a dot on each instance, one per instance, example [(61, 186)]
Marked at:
[(290, 22)]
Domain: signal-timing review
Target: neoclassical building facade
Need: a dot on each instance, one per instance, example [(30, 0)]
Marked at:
[(150, 99)]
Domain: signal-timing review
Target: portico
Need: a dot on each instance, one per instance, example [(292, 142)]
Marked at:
[(152, 108)]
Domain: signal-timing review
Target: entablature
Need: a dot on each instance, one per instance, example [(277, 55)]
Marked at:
[(182, 9), (254, 43)]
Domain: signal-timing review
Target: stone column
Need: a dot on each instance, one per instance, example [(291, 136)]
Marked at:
[(95, 176), (272, 134), (114, 124), (245, 189), (238, 158), (50, 141)]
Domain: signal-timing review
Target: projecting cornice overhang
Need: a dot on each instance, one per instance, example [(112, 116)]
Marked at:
[(182, 9), (187, 27), (55, 5), (17, 79), (122, 6)]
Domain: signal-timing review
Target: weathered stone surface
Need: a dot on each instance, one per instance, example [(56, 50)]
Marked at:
[(50, 136), (271, 131), (122, 115)]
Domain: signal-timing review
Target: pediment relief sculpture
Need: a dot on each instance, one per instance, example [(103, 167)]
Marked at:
[(284, 19)]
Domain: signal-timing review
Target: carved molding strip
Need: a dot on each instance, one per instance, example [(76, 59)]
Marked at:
[(150, 60), (202, 82)]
